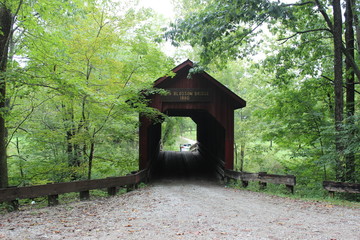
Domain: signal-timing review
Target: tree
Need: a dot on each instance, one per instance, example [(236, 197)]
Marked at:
[(350, 85), (224, 29), (6, 28), (338, 86)]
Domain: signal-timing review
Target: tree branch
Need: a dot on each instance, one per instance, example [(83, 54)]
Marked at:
[(343, 48), (25, 118), (302, 32), (40, 85), (332, 81), (325, 15), (298, 4)]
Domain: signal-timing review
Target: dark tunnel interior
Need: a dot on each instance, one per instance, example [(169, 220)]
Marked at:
[(183, 165), (203, 162)]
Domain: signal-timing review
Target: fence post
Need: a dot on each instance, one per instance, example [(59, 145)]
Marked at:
[(53, 200), (12, 205), (244, 184), (262, 184), (111, 191), (130, 187), (226, 180), (84, 195), (290, 188)]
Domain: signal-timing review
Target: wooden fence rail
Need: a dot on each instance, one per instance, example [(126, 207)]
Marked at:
[(288, 180), (12, 194), (333, 187)]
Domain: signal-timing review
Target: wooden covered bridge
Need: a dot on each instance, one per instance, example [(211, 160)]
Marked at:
[(210, 105)]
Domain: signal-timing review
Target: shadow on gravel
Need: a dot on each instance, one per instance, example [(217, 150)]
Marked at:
[(182, 166)]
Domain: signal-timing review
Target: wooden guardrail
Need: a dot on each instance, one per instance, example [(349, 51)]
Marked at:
[(288, 180), (333, 187), (13, 194)]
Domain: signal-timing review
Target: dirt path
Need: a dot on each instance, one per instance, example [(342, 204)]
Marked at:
[(185, 210)]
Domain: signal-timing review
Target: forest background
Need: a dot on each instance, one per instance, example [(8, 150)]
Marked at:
[(71, 73)]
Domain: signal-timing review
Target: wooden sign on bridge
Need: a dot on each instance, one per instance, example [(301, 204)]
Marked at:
[(187, 95)]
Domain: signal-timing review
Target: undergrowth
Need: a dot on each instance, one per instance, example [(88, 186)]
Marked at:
[(314, 193)]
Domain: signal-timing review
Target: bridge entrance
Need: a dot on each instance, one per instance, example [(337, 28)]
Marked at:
[(209, 104)]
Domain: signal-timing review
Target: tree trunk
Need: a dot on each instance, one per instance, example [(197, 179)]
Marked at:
[(5, 25), (91, 157), (350, 88), (242, 156), (356, 23), (236, 157), (338, 85)]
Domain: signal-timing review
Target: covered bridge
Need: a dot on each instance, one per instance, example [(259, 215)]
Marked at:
[(207, 102)]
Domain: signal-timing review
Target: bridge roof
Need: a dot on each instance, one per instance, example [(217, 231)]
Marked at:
[(236, 101)]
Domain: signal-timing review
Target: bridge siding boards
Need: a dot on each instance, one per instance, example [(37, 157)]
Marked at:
[(214, 118)]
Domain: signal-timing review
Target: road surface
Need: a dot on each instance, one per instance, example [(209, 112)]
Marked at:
[(185, 209)]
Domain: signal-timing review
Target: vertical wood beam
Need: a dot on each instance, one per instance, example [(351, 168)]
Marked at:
[(84, 195)]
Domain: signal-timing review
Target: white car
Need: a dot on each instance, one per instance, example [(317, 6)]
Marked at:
[(185, 147)]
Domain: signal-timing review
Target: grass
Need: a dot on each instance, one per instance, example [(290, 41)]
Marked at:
[(313, 194), (64, 199)]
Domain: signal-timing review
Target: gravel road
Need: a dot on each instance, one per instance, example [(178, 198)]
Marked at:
[(185, 210)]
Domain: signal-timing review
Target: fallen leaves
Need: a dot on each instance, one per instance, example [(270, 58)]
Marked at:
[(179, 216)]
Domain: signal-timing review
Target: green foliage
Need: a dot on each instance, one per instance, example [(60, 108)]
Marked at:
[(222, 27), (174, 130), (75, 94)]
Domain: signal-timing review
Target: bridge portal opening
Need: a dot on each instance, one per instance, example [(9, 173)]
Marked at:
[(204, 139)]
